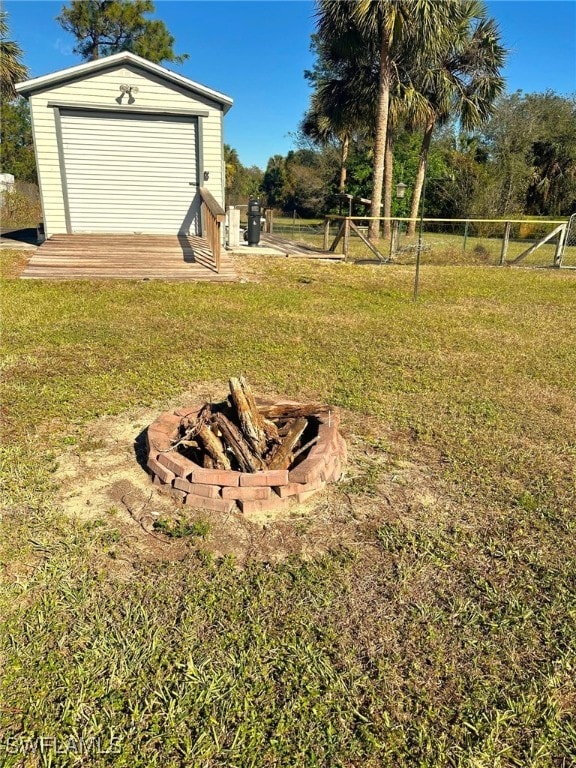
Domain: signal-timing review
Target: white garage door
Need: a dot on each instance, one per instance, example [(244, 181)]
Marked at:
[(131, 173)]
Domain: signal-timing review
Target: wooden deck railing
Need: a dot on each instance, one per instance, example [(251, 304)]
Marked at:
[(212, 217)]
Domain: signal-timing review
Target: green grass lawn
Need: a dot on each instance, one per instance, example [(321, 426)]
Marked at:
[(438, 625)]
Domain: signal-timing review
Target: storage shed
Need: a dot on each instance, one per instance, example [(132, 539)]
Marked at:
[(123, 146)]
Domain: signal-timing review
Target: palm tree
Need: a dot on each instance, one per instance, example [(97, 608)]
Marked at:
[(464, 81), (341, 105), (336, 115), (383, 25), (318, 126), (406, 107), (12, 70), (231, 164)]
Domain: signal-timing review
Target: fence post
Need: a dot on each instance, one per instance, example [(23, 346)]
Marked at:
[(394, 238), (233, 220), (346, 238), (326, 233), (465, 235), (560, 247), (270, 220), (505, 241)]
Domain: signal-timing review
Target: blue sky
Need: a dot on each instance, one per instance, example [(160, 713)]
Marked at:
[(256, 52)]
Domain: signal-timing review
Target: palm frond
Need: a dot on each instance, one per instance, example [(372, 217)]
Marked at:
[(12, 69)]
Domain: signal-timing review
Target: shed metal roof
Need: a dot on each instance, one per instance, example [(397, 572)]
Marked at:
[(77, 72)]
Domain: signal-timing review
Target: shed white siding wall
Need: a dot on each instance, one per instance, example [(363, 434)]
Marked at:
[(103, 90)]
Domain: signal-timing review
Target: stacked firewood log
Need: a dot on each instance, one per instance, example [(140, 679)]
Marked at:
[(241, 434)]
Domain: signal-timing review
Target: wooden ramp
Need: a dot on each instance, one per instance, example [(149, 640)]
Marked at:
[(298, 250), (127, 257)]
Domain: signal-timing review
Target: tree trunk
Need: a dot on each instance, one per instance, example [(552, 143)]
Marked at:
[(380, 137), (388, 174), (95, 50), (343, 164), (419, 182)]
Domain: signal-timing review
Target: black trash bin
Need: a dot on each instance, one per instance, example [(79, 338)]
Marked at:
[(254, 215)]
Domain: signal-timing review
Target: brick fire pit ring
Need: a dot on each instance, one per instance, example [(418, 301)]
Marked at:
[(226, 490)]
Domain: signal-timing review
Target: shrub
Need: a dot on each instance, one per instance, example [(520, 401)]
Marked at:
[(21, 206)]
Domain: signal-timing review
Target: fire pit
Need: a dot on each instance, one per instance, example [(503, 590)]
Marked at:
[(255, 455)]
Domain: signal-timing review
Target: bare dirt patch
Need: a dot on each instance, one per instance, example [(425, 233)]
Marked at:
[(103, 483)]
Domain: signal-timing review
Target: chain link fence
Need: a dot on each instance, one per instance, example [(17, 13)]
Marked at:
[(569, 252), (294, 227), (448, 242)]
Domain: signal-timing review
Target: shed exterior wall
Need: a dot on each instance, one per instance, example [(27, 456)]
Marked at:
[(102, 90)]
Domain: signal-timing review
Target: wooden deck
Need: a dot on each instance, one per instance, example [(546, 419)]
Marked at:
[(127, 257), (298, 250)]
